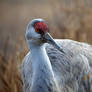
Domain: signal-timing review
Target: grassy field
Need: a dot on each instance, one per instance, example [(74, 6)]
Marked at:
[(71, 19)]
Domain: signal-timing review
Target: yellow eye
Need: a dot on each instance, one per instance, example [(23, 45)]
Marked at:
[(37, 30)]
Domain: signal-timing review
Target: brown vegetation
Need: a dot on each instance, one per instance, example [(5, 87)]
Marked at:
[(71, 19), (10, 79)]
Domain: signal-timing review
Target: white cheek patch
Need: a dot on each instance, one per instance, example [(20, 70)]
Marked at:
[(35, 34), (31, 34)]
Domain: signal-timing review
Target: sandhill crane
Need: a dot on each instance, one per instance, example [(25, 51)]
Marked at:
[(55, 65)]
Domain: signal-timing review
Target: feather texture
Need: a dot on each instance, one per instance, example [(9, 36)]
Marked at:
[(69, 69)]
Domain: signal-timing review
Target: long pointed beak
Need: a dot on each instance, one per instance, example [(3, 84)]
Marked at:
[(51, 41)]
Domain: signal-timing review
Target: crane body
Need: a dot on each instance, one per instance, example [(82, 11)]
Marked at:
[(61, 66)]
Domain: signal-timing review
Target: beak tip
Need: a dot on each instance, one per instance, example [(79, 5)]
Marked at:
[(62, 51)]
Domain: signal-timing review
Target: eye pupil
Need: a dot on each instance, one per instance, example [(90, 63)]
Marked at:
[(37, 30)]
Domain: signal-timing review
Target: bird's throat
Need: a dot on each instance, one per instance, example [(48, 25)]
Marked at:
[(43, 76)]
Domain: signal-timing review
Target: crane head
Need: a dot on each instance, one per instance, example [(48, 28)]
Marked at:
[(38, 33)]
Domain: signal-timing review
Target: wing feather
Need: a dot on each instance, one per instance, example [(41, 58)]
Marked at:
[(68, 68)]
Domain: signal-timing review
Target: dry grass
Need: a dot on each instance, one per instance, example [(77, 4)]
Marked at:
[(10, 79), (67, 19)]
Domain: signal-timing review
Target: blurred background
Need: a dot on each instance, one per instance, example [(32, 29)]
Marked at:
[(67, 19)]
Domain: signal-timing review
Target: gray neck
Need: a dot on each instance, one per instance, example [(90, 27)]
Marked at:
[(43, 77)]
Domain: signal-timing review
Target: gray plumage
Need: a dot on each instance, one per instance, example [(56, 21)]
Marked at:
[(63, 73)]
